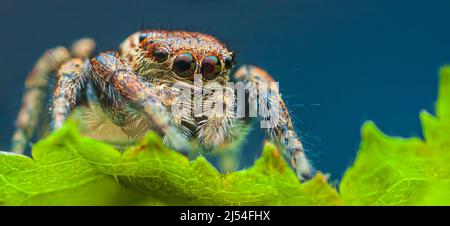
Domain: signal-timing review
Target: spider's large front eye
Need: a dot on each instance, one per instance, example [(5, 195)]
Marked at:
[(160, 54), (184, 65), (211, 67)]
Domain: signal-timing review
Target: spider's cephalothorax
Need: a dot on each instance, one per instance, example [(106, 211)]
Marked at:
[(177, 55), (139, 88)]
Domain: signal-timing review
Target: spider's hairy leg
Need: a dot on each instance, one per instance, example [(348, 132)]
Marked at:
[(279, 128), (35, 86), (83, 48), (72, 77), (71, 81), (115, 78)]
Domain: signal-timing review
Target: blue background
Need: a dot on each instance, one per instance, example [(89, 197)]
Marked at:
[(339, 63)]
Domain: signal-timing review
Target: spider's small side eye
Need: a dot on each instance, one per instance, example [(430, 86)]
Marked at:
[(142, 36), (184, 65), (229, 62), (160, 54), (211, 67)]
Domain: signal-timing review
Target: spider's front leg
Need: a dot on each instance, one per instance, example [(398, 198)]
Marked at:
[(275, 116), (118, 82)]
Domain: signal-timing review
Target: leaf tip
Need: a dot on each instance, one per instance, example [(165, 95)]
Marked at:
[(444, 74), (369, 129), (271, 160), (203, 167)]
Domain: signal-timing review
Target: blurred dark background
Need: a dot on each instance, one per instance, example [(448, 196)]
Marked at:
[(339, 63)]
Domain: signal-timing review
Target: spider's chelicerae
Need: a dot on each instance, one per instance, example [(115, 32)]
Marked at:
[(176, 83)]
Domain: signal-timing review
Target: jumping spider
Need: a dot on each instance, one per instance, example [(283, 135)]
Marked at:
[(130, 90)]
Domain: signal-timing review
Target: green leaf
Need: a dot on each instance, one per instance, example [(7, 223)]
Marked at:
[(399, 171), (68, 169)]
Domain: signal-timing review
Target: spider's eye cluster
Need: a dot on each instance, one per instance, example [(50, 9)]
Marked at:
[(211, 67), (184, 65)]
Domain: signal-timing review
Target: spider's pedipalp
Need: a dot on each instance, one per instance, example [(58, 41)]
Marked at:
[(114, 77), (219, 116)]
